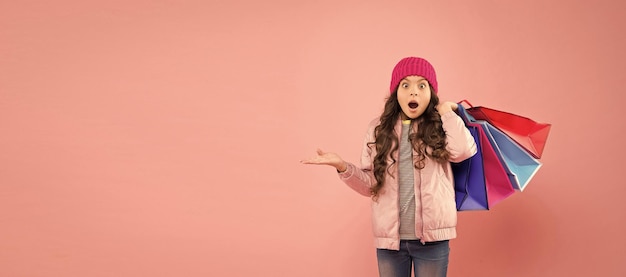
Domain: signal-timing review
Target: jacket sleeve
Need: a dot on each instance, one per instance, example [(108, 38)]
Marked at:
[(460, 142), (361, 179)]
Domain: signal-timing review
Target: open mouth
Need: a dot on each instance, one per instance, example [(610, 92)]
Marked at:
[(413, 105)]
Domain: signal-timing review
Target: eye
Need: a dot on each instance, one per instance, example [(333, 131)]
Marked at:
[(404, 85), (422, 86)]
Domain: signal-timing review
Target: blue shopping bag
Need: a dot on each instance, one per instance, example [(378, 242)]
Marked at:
[(521, 165)]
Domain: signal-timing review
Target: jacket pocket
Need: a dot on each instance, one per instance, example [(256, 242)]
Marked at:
[(446, 202)]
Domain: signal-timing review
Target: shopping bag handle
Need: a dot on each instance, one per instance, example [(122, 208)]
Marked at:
[(468, 103)]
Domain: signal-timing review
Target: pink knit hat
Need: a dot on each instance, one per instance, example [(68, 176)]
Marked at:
[(413, 66)]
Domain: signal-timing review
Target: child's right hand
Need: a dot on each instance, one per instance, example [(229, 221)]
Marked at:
[(327, 158), (445, 107)]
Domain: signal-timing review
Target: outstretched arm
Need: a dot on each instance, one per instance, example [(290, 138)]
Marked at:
[(359, 179)]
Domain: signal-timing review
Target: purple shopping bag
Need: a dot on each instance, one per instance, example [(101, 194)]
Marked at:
[(469, 179)]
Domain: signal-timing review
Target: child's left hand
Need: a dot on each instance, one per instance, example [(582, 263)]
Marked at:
[(445, 107)]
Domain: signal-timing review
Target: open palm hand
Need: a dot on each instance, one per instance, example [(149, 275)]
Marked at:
[(326, 158)]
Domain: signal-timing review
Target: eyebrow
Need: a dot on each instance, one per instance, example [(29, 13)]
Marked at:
[(421, 79)]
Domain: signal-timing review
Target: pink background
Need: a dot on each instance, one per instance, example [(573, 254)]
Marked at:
[(163, 138)]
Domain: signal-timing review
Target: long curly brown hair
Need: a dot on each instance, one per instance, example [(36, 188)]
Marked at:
[(429, 140)]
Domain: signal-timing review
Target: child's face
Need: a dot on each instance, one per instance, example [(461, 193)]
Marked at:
[(413, 96)]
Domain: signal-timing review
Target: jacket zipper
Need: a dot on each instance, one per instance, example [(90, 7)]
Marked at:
[(421, 208)]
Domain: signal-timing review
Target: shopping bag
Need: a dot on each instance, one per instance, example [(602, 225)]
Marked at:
[(529, 134), (469, 180), (499, 186), (520, 165)]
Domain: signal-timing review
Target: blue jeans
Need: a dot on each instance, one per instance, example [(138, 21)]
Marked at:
[(428, 260)]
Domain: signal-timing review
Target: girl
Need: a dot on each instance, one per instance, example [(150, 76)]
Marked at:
[(405, 169)]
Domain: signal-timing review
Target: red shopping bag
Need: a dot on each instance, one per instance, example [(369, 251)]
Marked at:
[(499, 185), (529, 134)]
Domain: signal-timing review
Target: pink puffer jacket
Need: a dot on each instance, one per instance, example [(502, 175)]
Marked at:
[(435, 215)]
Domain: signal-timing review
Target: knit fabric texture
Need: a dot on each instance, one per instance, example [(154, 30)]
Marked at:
[(413, 66), (406, 185)]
